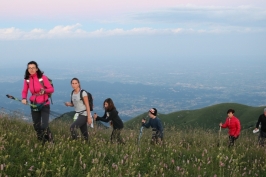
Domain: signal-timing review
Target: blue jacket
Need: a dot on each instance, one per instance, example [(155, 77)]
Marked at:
[(155, 124)]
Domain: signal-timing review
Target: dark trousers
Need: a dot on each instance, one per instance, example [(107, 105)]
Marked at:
[(41, 124), (156, 137), (262, 136), (232, 140), (80, 123), (116, 136)]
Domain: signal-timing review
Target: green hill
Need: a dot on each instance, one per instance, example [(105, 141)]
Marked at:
[(208, 117)]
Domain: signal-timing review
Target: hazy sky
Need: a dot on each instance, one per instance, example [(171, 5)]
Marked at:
[(67, 30)]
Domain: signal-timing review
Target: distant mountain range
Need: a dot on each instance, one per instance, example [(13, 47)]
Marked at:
[(208, 117), (132, 100)]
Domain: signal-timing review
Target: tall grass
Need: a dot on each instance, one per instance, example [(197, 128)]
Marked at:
[(185, 152)]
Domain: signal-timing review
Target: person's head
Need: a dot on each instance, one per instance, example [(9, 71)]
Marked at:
[(108, 104), (230, 113), (32, 68), (75, 83), (152, 112), (265, 111)]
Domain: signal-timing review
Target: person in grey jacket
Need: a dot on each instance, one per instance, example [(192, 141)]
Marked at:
[(111, 115), (156, 125)]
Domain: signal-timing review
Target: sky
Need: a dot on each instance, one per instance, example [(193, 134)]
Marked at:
[(68, 32)]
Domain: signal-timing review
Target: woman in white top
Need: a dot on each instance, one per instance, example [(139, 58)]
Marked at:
[(83, 113)]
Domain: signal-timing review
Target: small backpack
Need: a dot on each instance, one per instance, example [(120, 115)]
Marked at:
[(81, 98), (41, 81)]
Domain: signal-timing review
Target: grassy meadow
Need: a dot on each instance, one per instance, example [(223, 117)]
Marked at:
[(186, 152)]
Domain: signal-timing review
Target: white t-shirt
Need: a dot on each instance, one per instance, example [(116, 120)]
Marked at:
[(78, 103)]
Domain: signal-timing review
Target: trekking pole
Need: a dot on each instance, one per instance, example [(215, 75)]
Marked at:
[(13, 98), (140, 132), (219, 136)]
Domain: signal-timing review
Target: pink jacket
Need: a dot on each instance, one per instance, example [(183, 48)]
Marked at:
[(35, 87), (233, 124)]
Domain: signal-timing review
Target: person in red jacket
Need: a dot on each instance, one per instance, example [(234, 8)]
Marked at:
[(40, 87), (233, 124)]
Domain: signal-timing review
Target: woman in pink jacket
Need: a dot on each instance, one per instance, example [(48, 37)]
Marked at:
[(40, 87), (233, 124)]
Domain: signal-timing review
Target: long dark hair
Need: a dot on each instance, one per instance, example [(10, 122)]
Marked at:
[(111, 104), (39, 72)]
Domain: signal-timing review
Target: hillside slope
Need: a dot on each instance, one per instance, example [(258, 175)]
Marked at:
[(208, 117)]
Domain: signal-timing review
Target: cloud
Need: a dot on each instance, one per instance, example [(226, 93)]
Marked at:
[(75, 31), (197, 16)]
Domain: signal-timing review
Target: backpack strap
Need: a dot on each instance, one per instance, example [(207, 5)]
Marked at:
[(71, 96), (81, 97), (42, 83), (40, 80)]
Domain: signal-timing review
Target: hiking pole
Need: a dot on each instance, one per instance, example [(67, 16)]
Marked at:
[(13, 98), (140, 132), (219, 136)]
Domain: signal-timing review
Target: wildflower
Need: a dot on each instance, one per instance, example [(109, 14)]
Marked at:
[(2, 167), (31, 168)]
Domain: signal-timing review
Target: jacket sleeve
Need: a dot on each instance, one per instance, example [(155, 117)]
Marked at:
[(25, 90), (238, 128), (112, 115), (258, 123), (147, 125), (225, 125), (47, 85), (103, 118)]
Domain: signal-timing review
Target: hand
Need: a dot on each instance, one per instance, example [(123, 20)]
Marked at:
[(95, 116), (42, 91), (256, 129), (24, 101), (220, 124), (143, 120), (68, 104), (89, 120)]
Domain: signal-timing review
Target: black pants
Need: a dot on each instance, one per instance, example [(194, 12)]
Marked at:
[(232, 140), (156, 137), (41, 124), (262, 136), (116, 136), (80, 123)]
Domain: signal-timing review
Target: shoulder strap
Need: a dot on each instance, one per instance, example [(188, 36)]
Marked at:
[(71, 96), (81, 97)]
